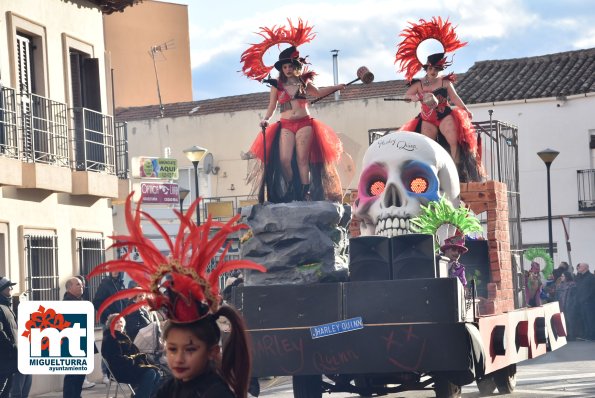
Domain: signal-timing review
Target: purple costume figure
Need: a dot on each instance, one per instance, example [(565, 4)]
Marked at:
[(452, 248)]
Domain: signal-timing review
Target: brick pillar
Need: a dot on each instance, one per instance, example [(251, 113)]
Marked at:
[(491, 197)]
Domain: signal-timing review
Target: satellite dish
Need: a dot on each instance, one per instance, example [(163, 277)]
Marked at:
[(207, 163)]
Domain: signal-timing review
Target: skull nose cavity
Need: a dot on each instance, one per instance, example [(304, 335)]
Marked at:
[(391, 196)]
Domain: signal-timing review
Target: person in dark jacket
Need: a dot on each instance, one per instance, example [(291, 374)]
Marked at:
[(127, 363), (73, 384), (585, 299), (109, 286), (138, 319), (566, 297), (8, 337)]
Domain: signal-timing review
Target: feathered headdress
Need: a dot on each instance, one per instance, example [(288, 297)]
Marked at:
[(415, 34), (178, 283), (252, 59)]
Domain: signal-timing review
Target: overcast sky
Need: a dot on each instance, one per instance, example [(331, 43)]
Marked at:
[(366, 33)]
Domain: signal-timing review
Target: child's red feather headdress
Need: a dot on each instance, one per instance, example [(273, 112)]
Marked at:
[(415, 34), (252, 59), (180, 282)]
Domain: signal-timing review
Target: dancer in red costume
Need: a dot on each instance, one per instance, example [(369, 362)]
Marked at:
[(437, 119), (301, 151)]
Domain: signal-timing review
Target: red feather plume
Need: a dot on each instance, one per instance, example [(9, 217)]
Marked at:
[(180, 282), (415, 34), (252, 59)]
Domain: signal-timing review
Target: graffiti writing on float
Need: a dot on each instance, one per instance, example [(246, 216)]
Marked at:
[(404, 348), (288, 353), (333, 362)]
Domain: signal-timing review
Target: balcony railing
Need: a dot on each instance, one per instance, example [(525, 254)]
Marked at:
[(9, 143), (93, 141), (35, 129), (44, 130), (122, 166), (586, 189)]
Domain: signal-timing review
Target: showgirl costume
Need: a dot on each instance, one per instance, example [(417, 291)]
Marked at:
[(326, 148), (469, 167)]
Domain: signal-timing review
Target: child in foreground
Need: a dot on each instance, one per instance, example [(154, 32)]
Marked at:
[(194, 357)]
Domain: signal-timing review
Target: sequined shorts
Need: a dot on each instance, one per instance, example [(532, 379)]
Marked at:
[(294, 125)]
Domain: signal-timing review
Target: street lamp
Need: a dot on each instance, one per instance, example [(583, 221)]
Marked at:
[(195, 155), (182, 193), (548, 156)]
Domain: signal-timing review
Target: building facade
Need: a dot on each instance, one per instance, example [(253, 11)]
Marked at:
[(59, 147)]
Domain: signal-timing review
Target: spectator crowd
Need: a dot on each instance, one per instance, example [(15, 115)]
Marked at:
[(575, 293)]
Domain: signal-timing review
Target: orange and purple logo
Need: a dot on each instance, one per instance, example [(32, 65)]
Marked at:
[(56, 337)]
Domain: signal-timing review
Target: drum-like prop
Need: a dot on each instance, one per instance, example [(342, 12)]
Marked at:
[(363, 74)]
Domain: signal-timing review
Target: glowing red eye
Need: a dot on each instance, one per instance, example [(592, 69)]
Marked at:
[(376, 188), (418, 185)]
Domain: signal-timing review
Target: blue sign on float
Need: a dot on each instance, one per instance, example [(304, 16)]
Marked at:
[(337, 327)]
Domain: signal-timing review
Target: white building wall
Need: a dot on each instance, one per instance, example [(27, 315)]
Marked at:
[(38, 211), (225, 135), (566, 128), (541, 124), (78, 20)]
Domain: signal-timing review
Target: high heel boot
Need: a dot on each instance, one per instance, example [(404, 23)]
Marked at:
[(306, 193)]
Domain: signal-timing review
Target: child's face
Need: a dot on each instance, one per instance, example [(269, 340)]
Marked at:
[(187, 356), (452, 253)]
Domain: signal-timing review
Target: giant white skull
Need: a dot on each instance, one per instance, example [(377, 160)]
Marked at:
[(400, 172)]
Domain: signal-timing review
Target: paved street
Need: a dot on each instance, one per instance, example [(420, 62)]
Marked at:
[(568, 372)]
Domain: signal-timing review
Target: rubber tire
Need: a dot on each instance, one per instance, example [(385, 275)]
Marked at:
[(505, 379), (486, 386), (309, 386), (445, 389)]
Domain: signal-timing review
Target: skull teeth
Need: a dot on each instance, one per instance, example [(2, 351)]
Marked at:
[(390, 227)]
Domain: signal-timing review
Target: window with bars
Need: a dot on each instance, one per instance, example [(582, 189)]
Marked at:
[(91, 253), (41, 256)]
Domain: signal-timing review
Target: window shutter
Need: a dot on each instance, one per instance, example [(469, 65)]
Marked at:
[(91, 88), (75, 80), (24, 64)]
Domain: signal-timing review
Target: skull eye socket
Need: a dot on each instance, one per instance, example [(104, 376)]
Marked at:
[(418, 185), (420, 180), (376, 186)]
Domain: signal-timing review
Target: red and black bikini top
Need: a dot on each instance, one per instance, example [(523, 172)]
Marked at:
[(300, 94), (284, 97)]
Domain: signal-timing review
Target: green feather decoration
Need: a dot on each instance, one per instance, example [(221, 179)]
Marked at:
[(438, 213)]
